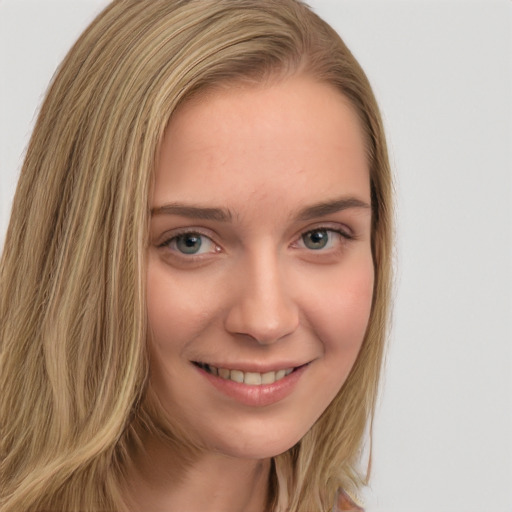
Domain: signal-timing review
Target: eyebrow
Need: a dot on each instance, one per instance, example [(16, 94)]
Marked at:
[(193, 212), (224, 215), (330, 207)]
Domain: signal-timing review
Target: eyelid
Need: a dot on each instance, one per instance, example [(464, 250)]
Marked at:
[(344, 232), (173, 233), (168, 237), (336, 227)]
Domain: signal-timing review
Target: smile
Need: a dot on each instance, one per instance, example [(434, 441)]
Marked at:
[(252, 388), (248, 378)]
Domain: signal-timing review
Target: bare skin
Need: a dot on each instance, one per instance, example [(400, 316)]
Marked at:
[(259, 264), (214, 483)]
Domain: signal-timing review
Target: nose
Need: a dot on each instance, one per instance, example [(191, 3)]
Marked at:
[(262, 306)]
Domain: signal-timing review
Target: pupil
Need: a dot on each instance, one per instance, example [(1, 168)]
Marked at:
[(316, 239), (189, 244)]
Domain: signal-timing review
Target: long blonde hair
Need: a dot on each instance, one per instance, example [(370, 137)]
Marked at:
[(72, 292)]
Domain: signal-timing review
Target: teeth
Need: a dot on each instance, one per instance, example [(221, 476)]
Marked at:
[(268, 378), (249, 378), (237, 375), (280, 374), (222, 372)]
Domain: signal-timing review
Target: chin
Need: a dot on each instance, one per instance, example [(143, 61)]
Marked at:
[(261, 443), (256, 451)]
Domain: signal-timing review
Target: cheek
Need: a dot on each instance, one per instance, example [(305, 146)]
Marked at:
[(162, 311), (178, 309), (339, 321), (340, 310)]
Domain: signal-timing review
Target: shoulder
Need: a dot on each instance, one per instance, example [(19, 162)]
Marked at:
[(346, 504)]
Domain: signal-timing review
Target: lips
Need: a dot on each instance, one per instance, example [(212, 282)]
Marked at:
[(245, 377), (255, 389)]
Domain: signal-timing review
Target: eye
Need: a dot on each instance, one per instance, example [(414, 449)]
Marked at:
[(322, 238), (317, 239), (191, 244)]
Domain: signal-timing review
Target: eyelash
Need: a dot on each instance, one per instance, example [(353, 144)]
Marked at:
[(185, 232), (345, 236)]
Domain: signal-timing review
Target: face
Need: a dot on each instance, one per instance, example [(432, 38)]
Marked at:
[(260, 272)]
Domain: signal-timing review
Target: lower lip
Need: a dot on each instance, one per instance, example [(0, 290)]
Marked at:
[(256, 396)]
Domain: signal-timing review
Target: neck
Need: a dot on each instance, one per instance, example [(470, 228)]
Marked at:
[(161, 480)]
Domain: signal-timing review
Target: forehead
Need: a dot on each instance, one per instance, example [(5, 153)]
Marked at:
[(293, 139)]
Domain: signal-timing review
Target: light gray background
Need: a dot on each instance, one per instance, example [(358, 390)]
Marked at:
[(441, 71)]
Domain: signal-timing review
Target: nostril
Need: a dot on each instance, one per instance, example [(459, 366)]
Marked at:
[(264, 327), (262, 308)]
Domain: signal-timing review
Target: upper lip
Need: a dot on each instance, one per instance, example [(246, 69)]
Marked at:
[(254, 366)]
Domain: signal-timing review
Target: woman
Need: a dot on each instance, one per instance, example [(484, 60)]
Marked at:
[(195, 281)]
